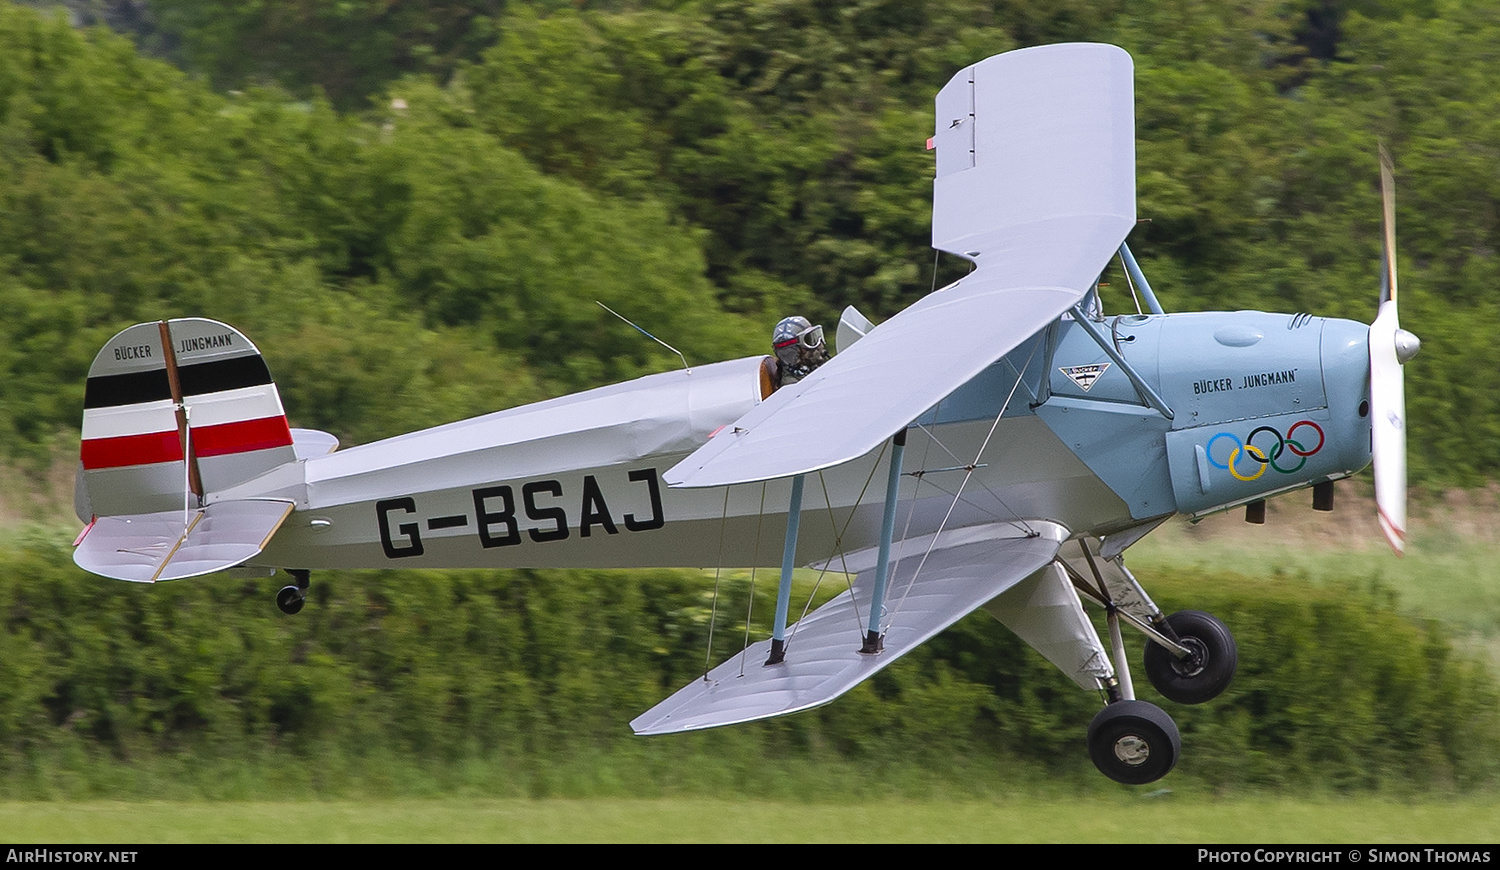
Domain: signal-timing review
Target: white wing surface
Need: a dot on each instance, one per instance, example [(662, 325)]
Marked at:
[(822, 654), (1028, 138), (148, 548), (1036, 185)]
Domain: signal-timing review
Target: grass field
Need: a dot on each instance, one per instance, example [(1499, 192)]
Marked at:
[(1156, 817)]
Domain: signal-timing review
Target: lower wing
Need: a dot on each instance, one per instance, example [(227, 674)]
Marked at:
[(930, 589)]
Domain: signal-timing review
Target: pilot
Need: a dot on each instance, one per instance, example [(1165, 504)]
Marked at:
[(799, 349)]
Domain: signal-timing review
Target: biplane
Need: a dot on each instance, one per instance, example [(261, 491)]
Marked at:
[(998, 445)]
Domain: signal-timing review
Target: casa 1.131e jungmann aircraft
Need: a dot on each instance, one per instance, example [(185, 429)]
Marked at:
[(997, 445)]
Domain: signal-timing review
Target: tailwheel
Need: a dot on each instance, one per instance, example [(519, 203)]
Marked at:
[(1205, 671), (291, 599), (1134, 742)]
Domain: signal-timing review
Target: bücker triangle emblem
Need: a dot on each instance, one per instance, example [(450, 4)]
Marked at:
[(1084, 376)]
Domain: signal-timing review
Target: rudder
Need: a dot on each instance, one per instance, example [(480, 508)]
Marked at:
[(174, 410)]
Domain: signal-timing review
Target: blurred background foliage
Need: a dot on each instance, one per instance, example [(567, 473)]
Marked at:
[(412, 207), (533, 675), (441, 190)]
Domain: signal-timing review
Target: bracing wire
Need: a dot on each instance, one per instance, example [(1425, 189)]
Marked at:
[(912, 511), (970, 467), (967, 475), (967, 502), (713, 613), (838, 545), (754, 563)]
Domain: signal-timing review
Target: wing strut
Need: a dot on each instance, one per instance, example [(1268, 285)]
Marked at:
[(1133, 270), (872, 643), (1147, 394), (788, 562)]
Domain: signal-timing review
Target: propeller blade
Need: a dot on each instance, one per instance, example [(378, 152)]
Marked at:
[(1387, 388), (1388, 426), (1388, 223)]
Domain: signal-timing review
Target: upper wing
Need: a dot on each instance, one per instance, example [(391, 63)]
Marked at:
[(1028, 137), (865, 394), (823, 660), (1036, 184)]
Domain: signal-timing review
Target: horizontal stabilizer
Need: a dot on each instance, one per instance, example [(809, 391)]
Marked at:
[(822, 653), (312, 443), (146, 548)]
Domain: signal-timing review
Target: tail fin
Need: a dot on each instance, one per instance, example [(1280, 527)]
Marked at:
[(175, 410)]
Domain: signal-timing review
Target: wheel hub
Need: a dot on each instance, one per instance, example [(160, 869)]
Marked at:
[(1195, 661), (1132, 750)]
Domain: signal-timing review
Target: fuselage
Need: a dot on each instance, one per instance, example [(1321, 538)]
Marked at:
[(1260, 403)]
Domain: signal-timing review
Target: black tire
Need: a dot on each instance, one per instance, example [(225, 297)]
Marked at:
[(1204, 675), (1134, 742), (290, 600)]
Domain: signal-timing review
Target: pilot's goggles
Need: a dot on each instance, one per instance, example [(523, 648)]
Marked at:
[(810, 338)]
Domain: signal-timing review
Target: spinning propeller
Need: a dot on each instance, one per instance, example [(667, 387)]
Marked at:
[(1390, 347)]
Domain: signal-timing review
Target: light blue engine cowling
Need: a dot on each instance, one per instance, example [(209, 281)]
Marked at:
[(1261, 403)]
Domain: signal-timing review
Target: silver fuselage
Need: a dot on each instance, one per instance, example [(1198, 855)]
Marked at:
[(1261, 403)]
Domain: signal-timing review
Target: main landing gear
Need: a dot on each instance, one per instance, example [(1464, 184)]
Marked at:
[(1134, 742), (291, 598), (1206, 669), (1190, 658)]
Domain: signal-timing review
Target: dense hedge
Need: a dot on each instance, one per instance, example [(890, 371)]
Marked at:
[(533, 671)]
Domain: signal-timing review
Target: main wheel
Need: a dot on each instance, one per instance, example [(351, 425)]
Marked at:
[(1134, 742), (290, 600), (1206, 671)]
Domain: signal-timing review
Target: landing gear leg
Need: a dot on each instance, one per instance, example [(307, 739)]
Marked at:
[(291, 598), (1130, 741)]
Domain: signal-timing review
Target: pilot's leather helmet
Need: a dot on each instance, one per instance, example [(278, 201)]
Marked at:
[(793, 336)]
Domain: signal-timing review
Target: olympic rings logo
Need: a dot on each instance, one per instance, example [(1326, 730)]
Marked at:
[(1267, 453)]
